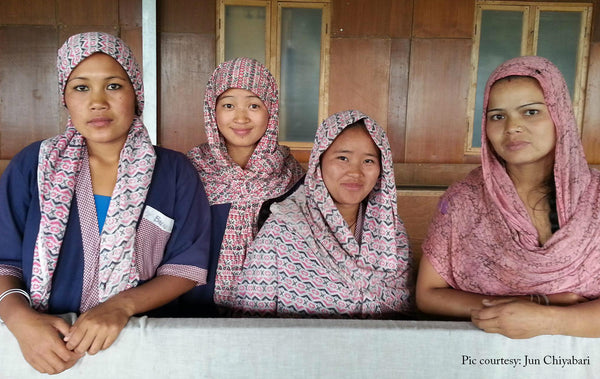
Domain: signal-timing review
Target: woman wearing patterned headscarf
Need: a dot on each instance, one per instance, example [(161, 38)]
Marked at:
[(96, 220), (515, 246), (336, 246), (241, 166)]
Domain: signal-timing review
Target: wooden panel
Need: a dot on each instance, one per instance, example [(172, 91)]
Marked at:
[(359, 76), (130, 14), (416, 209), (396, 125), (436, 123), (430, 174), (595, 37), (443, 18), (187, 16), (92, 12), (401, 18), (187, 61), (591, 116), (27, 12), (29, 99), (3, 164), (371, 18), (133, 38)]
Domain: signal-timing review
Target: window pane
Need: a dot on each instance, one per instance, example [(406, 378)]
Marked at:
[(500, 40), (300, 68), (245, 32), (558, 40)]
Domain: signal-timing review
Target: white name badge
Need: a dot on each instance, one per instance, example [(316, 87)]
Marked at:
[(159, 219)]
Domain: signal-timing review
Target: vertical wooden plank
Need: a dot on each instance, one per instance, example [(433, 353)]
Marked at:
[(398, 94), (187, 16), (88, 13), (416, 209), (401, 18), (359, 76), (27, 12), (443, 19), (437, 100), (591, 116), (364, 18), (133, 38), (130, 14), (187, 61), (29, 99)]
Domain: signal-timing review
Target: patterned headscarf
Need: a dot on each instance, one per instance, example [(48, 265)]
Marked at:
[(62, 167), (270, 171), (375, 268), (482, 240)]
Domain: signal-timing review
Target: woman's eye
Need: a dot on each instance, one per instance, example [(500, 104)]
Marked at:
[(80, 88), (227, 106), (496, 117), (370, 161), (342, 158), (254, 106), (531, 112), (113, 86)]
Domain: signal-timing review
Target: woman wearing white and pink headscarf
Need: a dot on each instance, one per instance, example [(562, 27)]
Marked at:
[(241, 165), (515, 246), (336, 246), (96, 221)]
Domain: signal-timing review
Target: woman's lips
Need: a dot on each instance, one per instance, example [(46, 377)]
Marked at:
[(100, 121), (516, 145)]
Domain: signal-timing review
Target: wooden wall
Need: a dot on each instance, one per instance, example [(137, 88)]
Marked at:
[(404, 62), (31, 31)]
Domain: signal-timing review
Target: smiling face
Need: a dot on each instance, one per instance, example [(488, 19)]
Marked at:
[(519, 126), (242, 120), (350, 168), (100, 100)]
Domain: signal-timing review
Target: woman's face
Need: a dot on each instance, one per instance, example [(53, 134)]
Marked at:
[(350, 167), (519, 125), (241, 118), (100, 100)]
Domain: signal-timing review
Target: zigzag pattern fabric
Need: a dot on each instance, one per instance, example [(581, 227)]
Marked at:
[(270, 172), (59, 165), (306, 262)]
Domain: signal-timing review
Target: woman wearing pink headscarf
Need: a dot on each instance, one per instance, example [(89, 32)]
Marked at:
[(515, 246), (241, 165), (96, 221)]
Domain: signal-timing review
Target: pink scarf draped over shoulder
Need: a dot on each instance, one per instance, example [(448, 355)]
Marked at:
[(270, 171), (482, 240)]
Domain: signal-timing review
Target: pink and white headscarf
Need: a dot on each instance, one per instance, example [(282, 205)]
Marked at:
[(482, 239), (309, 234), (270, 171), (109, 264)]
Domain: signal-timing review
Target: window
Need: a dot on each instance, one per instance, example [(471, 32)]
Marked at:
[(505, 29), (292, 39)]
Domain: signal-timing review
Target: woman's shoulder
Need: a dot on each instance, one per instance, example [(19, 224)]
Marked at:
[(172, 159), (265, 209), (466, 190), (27, 158)]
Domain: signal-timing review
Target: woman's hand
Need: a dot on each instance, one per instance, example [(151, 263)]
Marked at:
[(512, 317), (40, 339), (97, 328), (566, 298)]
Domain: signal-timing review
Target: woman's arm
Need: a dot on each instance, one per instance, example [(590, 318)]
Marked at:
[(99, 327), (39, 335), (435, 296), (518, 319)]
